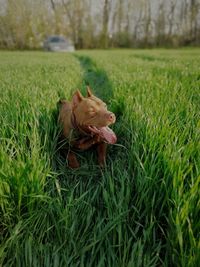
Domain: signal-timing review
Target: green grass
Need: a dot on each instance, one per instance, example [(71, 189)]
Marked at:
[(144, 208)]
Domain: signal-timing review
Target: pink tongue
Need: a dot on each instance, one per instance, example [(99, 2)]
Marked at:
[(108, 135)]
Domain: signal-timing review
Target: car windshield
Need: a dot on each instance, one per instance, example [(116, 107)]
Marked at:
[(56, 40)]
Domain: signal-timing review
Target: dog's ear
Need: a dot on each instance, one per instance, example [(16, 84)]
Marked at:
[(77, 98), (89, 93)]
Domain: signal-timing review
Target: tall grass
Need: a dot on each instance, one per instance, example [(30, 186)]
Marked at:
[(143, 209)]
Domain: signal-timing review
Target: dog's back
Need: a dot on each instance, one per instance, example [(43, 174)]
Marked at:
[(64, 118)]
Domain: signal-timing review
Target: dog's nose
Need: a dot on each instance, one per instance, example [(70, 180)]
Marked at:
[(111, 117)]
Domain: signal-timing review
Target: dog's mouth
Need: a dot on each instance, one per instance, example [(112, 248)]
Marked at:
[(105, 133)]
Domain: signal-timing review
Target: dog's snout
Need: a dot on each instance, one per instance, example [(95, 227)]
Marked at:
[(111, 117)]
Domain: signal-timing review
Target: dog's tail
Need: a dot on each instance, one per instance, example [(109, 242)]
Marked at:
[(61, 102), (61, 97)]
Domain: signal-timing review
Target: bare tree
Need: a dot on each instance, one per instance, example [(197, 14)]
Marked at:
[(147, 21), (160, 24), (104, 35), (194, 10), (171, 16)]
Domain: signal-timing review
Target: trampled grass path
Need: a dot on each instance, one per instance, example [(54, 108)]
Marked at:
[(143, 209)]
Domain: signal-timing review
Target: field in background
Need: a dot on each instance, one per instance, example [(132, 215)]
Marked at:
[(144, 208)]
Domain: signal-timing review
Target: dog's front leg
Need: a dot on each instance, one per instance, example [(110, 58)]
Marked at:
[(72, 160), (86, 143), (101, 151)]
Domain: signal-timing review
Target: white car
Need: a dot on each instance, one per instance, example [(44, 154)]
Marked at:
[(58, 43)]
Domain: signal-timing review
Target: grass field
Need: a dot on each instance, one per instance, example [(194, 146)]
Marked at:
[(144, 208)]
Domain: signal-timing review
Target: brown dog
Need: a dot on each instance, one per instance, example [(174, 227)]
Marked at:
[(85, 122)]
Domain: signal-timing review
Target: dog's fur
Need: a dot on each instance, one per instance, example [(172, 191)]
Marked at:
[(85, 123)]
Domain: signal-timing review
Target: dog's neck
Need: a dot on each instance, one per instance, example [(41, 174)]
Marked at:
[(73, 121)]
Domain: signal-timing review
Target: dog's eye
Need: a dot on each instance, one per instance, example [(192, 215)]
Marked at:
[(91, 110)]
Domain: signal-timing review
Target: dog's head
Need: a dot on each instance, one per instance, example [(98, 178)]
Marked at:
[(92, 115)]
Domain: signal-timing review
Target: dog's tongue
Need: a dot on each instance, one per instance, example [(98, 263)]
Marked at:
[(108, 135)]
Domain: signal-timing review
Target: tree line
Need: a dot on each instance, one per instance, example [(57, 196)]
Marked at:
[(24, 24)]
